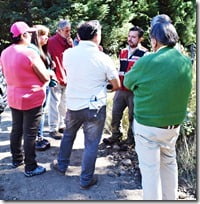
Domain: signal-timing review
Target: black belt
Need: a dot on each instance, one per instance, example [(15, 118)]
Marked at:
[(169, 126)]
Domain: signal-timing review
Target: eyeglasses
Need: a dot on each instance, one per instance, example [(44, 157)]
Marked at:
[(95, 26), (30, 33)]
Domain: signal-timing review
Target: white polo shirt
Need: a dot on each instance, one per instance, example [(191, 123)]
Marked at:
[(88, 70)]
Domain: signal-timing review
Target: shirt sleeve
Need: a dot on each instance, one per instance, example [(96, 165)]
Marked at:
[(33, 56), (131, 78), (66, 57), (111, 71)]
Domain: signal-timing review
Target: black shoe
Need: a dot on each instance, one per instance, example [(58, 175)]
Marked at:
[(123, 147), (56, 135), (16, 164), (42, 145), (61, 130), (111, 140), (55, 166), (92, 182), (129, 141), (37, 171)]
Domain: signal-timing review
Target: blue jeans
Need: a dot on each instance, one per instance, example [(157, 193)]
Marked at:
[(41, 125), (93, 124)]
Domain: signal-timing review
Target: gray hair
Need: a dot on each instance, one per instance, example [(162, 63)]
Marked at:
[(164, 33), (161, 18), (62, 24)]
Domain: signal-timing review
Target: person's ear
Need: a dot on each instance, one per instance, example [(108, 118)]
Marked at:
[(26, 35), (140, 39), (153, 44)]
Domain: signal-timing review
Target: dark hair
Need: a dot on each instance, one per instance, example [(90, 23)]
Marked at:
[(88, 30), (15, 40), (137, 28), (164, 33)]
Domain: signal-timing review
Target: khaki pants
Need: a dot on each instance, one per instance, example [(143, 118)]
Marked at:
[(157, 161), (57, 107)]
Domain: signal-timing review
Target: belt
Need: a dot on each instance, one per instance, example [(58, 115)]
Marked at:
[(169, 127)]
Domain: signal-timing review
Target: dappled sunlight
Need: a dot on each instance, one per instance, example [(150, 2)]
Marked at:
[(2, 143), (113, 181), (76, 196), (4, 155), (79, 141), (7, 169), (102, 165), (128, 194), (37, 188)]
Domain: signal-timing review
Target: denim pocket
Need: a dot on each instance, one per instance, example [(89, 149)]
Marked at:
[(93, 114), (97, 114)]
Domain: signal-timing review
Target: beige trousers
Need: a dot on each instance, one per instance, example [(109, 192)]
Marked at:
[(156, 152)]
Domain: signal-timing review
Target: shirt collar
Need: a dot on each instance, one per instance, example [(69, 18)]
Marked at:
[(131, 50), (88, 43), (61, 39), (161, 48)]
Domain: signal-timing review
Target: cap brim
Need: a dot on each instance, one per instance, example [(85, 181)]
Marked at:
[(31, 30)]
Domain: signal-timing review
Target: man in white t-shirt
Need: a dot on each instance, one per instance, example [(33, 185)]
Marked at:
[(88, 72)]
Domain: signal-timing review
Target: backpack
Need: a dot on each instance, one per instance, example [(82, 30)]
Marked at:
[(3, 95)]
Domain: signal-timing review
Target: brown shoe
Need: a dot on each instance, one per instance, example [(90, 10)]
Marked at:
[(92, 182), (56, 135), (55, 167)]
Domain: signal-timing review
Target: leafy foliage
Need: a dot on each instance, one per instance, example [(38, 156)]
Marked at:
[(115, 16), (182, 14)]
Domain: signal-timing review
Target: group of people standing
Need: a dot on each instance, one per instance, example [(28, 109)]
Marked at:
[(154, 86), (34, 74)]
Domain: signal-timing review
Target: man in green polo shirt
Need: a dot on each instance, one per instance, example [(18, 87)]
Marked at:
[(161, 83)]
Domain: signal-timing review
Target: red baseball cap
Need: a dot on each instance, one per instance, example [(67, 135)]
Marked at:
[(19, 28)]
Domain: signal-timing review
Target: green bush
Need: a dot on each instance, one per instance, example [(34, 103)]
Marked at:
[(187, 144)]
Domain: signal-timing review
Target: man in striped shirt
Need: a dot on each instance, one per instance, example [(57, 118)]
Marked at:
[(123, 97)]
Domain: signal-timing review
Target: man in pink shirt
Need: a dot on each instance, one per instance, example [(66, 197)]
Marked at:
[(26, 77)]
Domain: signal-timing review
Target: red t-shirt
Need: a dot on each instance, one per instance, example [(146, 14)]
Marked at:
[(56, 46)]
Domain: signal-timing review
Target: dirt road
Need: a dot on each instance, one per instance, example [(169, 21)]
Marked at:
[(117, 171), (52, 186)]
